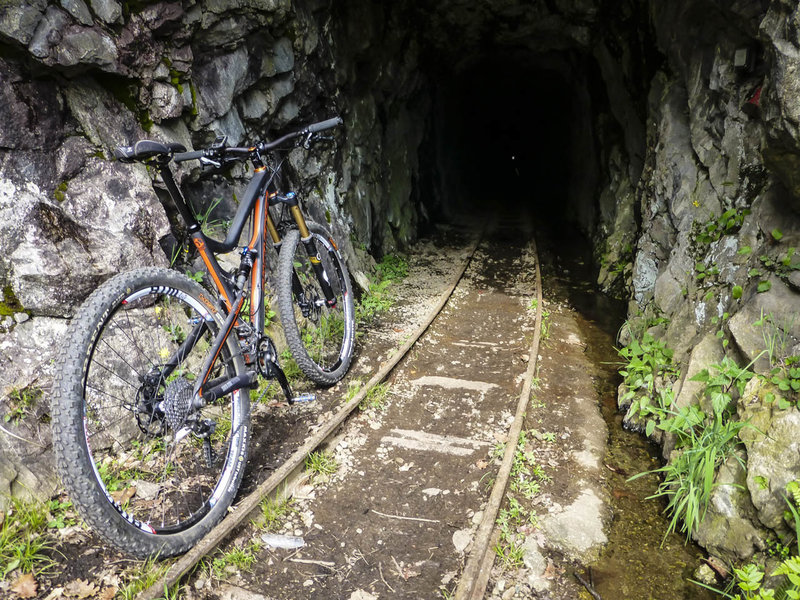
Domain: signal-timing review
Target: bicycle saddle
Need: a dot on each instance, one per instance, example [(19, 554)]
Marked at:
[(144, 149)]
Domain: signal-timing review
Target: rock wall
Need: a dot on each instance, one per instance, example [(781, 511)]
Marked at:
[(79, 78), (720, 221)]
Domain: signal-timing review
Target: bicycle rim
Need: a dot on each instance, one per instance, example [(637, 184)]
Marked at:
[(160, 465), (326, 330)]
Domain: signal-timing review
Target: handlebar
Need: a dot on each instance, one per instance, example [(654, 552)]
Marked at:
[(144, 150), (323, 125)]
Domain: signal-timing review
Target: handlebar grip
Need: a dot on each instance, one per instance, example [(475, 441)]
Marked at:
[(322, 125), (182, 156)]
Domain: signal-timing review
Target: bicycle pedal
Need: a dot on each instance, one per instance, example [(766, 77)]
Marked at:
[(303, 398)]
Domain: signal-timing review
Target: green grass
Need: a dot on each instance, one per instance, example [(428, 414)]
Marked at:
[(376, 397), (24, 541), (376, 300), (526, 479), (509, 554), (379, 298), (321, 463), (142, 576), (273, 513), (236, 559)]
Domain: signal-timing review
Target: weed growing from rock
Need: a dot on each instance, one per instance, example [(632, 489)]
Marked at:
[(748, 582), (704, 443), (378, 298), (784, 371), (647, 369), (22, 401)]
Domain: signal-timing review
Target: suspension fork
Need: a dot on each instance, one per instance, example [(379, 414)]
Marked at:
[(313, 256)]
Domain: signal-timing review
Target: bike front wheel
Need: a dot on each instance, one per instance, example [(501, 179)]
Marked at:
[(148, 471), (315, 301)]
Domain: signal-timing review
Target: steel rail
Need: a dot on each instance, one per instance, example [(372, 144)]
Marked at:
[(475, 576)]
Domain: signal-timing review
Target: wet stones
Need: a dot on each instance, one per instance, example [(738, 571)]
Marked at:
[(730, 528), (773, 455)]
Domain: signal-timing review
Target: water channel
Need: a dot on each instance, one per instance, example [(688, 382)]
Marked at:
[(639, 562)]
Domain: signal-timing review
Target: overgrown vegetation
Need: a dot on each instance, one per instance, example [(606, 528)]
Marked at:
[(647, 374), (379, 298), (704, 441), (515, 520), (25, 545)]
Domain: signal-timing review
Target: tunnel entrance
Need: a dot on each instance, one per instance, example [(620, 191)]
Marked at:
[(512, 136)]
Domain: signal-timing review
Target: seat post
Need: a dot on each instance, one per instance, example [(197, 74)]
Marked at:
[(178, 198)]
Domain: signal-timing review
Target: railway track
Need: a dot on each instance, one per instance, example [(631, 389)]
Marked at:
[(415, 507)]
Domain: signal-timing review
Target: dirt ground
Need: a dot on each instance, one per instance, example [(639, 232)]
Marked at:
[(413, 471)]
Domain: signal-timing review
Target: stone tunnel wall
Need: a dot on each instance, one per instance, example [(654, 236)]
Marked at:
[(714, 250), (78, 78)]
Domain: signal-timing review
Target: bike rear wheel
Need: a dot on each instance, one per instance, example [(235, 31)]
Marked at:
[(146, 471), (320, 332)]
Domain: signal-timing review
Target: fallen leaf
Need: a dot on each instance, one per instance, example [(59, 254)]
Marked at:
[(74, 534), (80, 588), (718, 566), (55, 594), (550, 571), (108, 593), (25, 586), (501, 438), (122, 496)]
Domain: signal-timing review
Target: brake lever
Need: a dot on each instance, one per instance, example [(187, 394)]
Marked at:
[(207, 162), (307, 141)]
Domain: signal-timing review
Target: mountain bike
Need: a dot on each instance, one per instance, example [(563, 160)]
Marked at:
[(151, 409)]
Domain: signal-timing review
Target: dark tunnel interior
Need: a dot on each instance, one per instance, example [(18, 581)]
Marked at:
[(513, 136)]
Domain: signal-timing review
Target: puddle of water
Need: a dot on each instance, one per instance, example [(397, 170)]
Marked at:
[(638, 562)]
